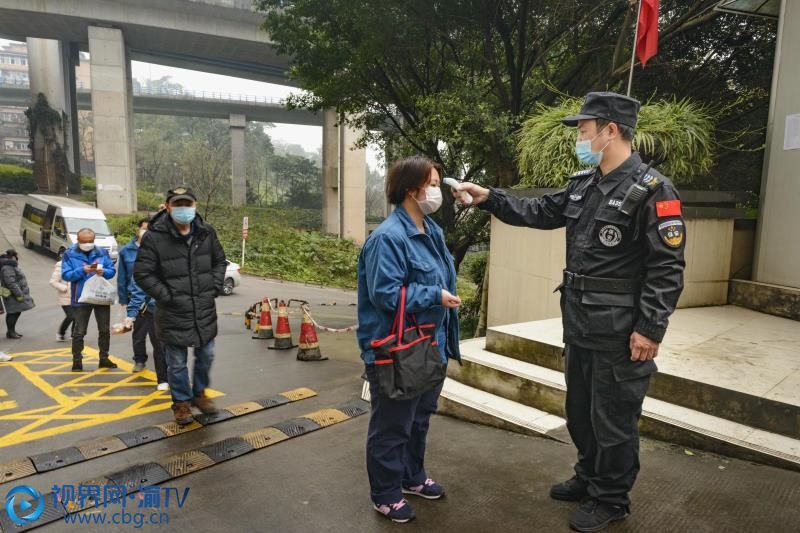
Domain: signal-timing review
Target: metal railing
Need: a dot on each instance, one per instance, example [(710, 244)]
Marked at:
[(179, 94), (207, 95)]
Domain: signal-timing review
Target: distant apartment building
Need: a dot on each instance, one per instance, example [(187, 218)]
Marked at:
[(13, 123)]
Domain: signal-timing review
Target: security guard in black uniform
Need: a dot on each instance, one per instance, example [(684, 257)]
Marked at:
[(625, 242)]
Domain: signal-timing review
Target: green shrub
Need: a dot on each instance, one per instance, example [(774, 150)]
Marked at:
[(280, 245), (16, 179), (88, 183), (470, 306), (681, 133), (148, 200), (16, 160), (473, 266)]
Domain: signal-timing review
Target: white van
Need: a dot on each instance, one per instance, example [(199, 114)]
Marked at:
[(52, 222)]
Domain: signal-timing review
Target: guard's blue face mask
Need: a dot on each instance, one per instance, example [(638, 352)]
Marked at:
[(183, 215), (583, 150)]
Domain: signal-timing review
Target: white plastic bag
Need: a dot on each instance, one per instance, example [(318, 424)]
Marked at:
[(98, 291), (123, 324)]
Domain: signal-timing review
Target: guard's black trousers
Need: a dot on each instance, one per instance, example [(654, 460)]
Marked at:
[(605, 391)]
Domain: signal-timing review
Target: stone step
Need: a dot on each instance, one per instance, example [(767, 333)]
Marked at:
[(544, 389), (474, 405), (539, 343), (767, 298)]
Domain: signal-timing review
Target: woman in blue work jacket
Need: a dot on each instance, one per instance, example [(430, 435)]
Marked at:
[(407, 249)]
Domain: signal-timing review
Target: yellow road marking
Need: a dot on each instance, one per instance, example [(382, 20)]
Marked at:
[(10, 404), (3, 393), (41, 384), (74, 393)]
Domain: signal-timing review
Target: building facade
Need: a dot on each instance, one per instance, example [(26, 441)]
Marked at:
[(13, 123)]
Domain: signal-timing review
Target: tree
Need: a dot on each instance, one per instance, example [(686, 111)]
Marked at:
[(455, 79), (158, 143), (161, 85), (302, 180), (376, 196), (258, 152), (208, 168)]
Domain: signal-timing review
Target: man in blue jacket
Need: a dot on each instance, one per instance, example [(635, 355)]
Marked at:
[(140, 309), (82, 261)]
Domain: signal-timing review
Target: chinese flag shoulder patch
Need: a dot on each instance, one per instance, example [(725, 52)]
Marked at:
[(670, 208)]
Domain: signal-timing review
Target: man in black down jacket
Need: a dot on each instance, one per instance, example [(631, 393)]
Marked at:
[(181, 265)]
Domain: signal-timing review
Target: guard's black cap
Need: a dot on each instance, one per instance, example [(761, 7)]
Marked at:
[(180, 193), (609, 106)]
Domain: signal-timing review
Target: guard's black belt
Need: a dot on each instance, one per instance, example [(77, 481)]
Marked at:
[(593, 284)]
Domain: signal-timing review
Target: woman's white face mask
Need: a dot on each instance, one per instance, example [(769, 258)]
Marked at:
[(432, 202)]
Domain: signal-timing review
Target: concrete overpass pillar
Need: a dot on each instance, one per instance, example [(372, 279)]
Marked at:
[(51, 68), (353, 198), (330, 172), (344, 175), (112, 115), (238, 123)]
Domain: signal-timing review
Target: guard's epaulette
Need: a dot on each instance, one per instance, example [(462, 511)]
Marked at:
[(581, 173)]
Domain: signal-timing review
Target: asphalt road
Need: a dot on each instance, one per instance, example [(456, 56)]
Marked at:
[(496, 480)]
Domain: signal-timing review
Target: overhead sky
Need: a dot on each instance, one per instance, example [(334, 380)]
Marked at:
[(309, 137)]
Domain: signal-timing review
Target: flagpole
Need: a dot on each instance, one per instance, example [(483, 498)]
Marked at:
[(633, 52)]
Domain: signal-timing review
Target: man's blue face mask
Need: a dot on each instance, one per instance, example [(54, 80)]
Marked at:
[(183, 215), (583, 150)]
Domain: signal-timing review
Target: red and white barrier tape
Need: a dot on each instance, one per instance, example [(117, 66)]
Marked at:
[(349, 329)]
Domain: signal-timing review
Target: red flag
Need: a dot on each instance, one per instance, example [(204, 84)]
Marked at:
[(647, 32)]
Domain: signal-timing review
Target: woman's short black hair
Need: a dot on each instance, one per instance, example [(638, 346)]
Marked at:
[(408, 174)]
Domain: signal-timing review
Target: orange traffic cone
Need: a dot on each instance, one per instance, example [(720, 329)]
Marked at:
[(309, 344), (283, 334), (264, 327)]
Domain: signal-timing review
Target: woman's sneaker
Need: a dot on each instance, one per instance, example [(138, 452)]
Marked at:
[(163, 386), (429, 490), (4, 357), (400, 512)]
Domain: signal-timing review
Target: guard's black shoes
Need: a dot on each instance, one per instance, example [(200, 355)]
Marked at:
[(593, 515), (571, 490), (13, 335), (77, 365), (105, 362)]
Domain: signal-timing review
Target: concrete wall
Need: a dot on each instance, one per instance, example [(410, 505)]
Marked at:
[(527, 264), (778, 245), (744, 240)]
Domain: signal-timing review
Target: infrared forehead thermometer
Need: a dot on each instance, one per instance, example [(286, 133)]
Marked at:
[(463, 196)]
